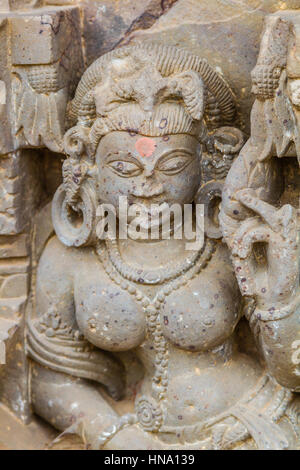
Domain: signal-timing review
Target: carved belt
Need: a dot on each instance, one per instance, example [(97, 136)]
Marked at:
[(252, 418)]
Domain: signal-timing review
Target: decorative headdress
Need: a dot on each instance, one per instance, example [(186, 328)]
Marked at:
[(149, 89)]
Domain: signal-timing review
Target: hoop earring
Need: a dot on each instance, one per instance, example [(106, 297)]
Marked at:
[(74, 226), (210, 194)]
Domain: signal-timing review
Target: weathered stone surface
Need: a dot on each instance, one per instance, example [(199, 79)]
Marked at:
[(106, 23), (6, 327), (37, 81), (10, 192), (14, 246), (15, 286), (226, 33), (37, 435), (11, 5), (170, 333), (17, 172), (14, 375), (12, 308), (44, 80), (50, 27), (6, 142), (13, 266)]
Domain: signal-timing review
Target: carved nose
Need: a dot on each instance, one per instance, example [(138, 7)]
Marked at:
[(148, 190)]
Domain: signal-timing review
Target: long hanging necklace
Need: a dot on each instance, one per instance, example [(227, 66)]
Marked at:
[(149, 409)]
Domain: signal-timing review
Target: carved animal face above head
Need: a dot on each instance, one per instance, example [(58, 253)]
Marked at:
[(146, 89)]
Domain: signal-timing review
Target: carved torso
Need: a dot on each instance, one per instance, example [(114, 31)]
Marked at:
[(198, 320), (198, 317)]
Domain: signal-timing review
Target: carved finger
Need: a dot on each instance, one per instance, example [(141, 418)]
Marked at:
[(244, 271), (267, 212), (287, 219), (245, 227), (258, 233)]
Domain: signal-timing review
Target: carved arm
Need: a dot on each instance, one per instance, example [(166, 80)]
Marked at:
[(68, 374), (265, 254)]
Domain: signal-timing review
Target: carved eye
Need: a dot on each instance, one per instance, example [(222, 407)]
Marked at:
[(124, 168), (173, 165)]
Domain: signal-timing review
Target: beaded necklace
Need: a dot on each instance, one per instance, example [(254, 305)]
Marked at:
[(149, 409)]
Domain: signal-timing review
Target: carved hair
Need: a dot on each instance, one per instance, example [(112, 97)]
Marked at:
[(149, 89), (168, 60)]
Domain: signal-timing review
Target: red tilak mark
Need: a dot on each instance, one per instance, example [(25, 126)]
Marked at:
[(145, 146)]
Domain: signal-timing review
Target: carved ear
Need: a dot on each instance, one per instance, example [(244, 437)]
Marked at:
[(210, 194), (76, 142), (191, 87), (74, 174), (228, 140), (75, 168)]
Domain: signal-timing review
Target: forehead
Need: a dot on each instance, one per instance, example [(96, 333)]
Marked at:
[(142, 146)]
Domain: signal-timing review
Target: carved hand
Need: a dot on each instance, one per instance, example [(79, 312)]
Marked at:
[(274, 282)]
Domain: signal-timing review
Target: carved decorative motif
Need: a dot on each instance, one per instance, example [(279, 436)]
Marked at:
[(43, 83)]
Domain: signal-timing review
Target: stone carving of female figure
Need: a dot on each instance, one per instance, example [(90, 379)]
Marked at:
[(147, 316)]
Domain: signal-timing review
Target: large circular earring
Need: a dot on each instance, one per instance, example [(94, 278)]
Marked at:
[(75, 224), (210, 194)]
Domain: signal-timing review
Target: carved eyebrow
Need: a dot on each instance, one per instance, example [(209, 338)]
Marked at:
[(122, 156)]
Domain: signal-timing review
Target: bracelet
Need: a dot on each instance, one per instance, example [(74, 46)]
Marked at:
[(106, 435), (278, 314)]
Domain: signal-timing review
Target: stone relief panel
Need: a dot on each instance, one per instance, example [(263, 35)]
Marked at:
[(126, 344), (143, 101)]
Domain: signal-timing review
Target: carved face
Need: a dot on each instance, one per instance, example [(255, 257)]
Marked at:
[(148, 170)]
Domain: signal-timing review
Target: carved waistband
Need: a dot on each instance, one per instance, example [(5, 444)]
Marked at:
[(255, 416)]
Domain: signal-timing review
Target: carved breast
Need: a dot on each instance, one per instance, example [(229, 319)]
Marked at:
[(108, 316), (202, 315), (198, 316)]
